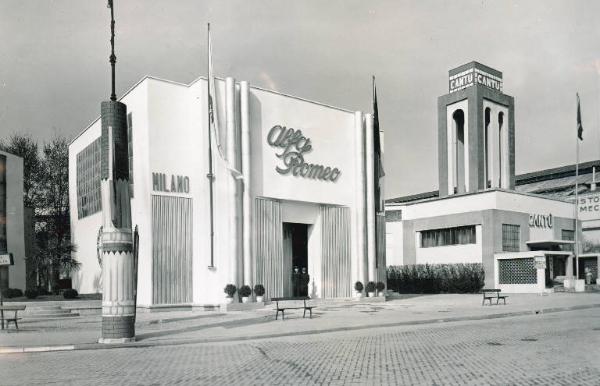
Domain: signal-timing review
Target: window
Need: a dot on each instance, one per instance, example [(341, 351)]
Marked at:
[(517, 271), (567, 234), (130, 151), (88, 180), (448, 236), (510, 238)]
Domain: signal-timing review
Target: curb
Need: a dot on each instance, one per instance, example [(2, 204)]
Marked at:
[(142, 344)]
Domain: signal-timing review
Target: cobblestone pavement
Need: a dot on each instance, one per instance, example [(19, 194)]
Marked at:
[(558, 349)]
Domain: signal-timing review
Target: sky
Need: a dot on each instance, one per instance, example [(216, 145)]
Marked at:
[(54, 69)]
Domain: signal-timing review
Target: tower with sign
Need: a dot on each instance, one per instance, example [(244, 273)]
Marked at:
[(476, 132)]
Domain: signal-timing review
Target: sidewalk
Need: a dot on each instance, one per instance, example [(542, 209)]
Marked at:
[(181, 327)]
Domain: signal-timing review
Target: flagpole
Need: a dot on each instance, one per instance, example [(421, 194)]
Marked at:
[(210, 174), (576, 249), (576, 208)]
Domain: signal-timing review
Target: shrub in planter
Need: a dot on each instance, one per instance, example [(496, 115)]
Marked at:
[(12, 293), (358, 286), (380, 287), (230, 290), (70, 294), (31, 293), (259, 291), (370, 288), (245, 291)]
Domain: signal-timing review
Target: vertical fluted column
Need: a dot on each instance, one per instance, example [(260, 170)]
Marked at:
[(361, 230), (118, 303), (233, 161), (246, 209), (370, 203)]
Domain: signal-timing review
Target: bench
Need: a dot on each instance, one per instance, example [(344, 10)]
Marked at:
[(492, 293), (292, 306), (14, 319)]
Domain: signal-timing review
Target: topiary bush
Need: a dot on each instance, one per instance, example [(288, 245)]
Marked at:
[(31, 293), (436, 278), (358, 286), (259, 290), (370, 287), (12, 293), (380, 286), (245, 291), (70, 294), (230, 290)]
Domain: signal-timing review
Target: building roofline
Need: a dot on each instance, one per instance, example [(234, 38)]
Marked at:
[(479, 192), (204, 78)]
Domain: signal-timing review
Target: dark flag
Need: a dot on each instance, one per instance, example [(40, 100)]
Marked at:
[(579, 125), (378, 163)]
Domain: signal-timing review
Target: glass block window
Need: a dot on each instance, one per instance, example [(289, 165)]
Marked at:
[(517, 271), (510, 237), (567, 234), (448, 236), (130, 151), (88, 180)]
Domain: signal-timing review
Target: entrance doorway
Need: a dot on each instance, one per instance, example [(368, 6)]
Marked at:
[(295, 246)]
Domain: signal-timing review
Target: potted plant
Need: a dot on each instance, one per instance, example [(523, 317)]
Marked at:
[(230, 290), (380, 287), (358, 287), (370, 288), (259, 291), (245, 292)]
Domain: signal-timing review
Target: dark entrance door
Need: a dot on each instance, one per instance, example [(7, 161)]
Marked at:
[(297, 235)]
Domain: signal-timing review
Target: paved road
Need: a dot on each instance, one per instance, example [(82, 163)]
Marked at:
[(560, 349)]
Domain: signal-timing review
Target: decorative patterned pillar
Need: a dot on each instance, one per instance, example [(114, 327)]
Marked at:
[(118, 302), (3, 216)]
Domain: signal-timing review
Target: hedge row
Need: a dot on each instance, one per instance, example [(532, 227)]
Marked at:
[(436, 278)]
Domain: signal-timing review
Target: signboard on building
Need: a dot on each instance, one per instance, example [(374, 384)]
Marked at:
[(472, 77), (294, 145), (540, 220), (6, 259), (162, 182), (588, 207)]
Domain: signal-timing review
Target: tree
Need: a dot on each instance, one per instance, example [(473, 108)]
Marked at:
[(26, 147), (53, 231), (46, 190)]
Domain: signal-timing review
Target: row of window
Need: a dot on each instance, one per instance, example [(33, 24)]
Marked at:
[(511, 237), (89, 174)]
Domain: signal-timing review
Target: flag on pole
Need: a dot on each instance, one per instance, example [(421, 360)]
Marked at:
[(378, 164), (213, 114), (579, 124), (212, 99)]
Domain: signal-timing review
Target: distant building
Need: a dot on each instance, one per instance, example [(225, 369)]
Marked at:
[(12, 221), (521, 228), (291, 193)]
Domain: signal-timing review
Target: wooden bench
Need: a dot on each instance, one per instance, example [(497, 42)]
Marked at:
[(492, 293), (293, 306), (14, 319)]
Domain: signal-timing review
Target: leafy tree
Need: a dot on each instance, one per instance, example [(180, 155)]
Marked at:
[(26, 147), (53, 231), (46, 190)]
